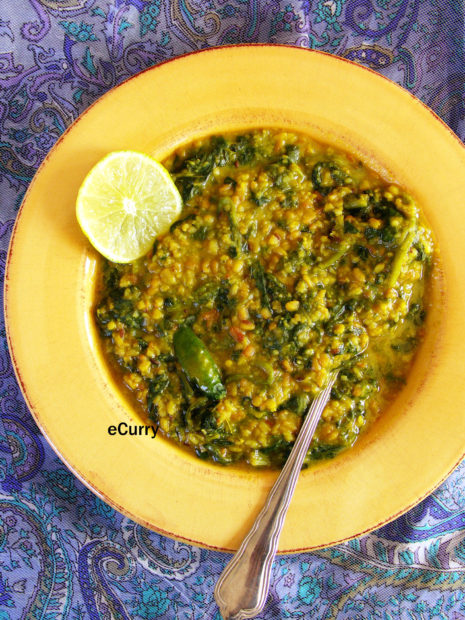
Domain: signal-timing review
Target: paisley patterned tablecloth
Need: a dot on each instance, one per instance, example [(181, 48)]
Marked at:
[(63, 552)]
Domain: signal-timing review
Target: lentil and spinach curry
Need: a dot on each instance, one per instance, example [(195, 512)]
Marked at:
[(289, 260)]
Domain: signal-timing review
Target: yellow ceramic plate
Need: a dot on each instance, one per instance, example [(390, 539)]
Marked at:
[(50, 275)]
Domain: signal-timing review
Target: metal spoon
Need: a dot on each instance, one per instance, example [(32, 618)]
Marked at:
[(242, 589)]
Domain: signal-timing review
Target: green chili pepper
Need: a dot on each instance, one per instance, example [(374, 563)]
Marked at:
[(197, 363)]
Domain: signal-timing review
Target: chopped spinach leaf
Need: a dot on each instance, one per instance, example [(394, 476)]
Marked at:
[(326, 176), (258, 274)]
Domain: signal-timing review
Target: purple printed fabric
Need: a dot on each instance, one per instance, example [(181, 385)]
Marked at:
[(63, 552)]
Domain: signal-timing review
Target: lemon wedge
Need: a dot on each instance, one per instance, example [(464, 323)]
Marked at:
[(125, 202)]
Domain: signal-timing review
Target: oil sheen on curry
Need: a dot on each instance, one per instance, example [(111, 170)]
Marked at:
[(290, 259)]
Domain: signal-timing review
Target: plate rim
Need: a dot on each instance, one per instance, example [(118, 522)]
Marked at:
[(11, 345)]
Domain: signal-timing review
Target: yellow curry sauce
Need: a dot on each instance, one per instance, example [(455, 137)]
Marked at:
[(289, 260)]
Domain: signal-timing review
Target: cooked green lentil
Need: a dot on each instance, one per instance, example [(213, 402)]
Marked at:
[(290, 259)]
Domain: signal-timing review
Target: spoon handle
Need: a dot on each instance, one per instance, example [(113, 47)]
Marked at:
[(242, 588)]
